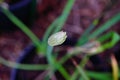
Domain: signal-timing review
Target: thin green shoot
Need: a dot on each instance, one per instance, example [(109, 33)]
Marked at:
[(59, 22), (115, 69), (49, 29), (99, 75), (81, 66), (84, 38), (114, 39), (105, 26), (65, 15), (81, 71), (23, 66), (23, 27), (54, 64)]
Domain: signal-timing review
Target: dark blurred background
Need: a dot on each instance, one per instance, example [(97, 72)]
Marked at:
[(13, 42)]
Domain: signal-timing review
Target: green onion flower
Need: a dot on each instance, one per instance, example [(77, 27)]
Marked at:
[(57, 38)]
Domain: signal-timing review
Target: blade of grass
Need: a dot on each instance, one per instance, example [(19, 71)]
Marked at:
[(74, 75), (81, 66), (49, 55), (23, 66), (105, 37), (50, 28), (62, 70), (99, 31), (113, 35), (105, 26), (99, 75), (114, 39), (59, 22), (54, 64), (84, 38), (67, 56), (65, 14), (23, 27), (81, 71), (84, 61), (115, 69)]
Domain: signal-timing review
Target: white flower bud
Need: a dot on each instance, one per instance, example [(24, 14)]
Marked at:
[(57, 38)]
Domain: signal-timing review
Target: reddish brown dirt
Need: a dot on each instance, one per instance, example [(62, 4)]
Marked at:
[(81, 16)]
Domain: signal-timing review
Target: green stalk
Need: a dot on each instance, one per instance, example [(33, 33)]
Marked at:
[(114, 39), (23, 27), (59, 22), (82, 73), (105, 26), (49, 57), (80, 70), (99, 75), (56, 65), (23, 66), (49, 29), (65, 15), (115, 68), (84, 61), (84, 38)]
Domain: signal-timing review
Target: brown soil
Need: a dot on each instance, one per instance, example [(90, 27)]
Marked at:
[(81, 16)]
